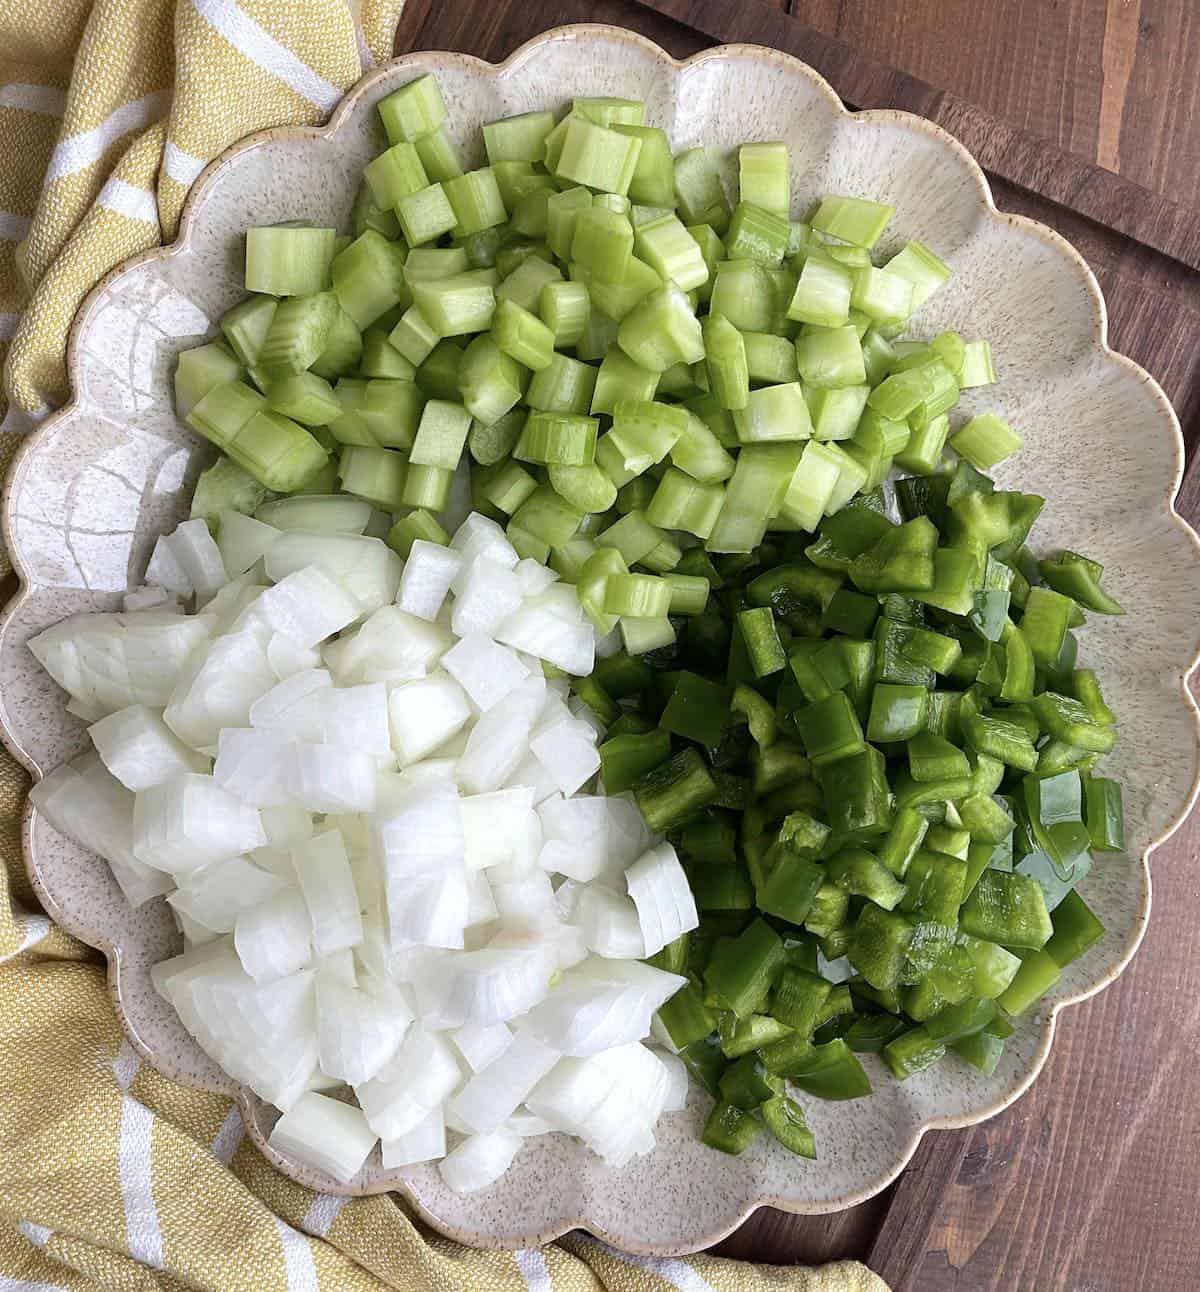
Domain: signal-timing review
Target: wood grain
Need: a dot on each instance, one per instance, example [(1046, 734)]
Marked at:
[(1018, 156), (1088, 1183)]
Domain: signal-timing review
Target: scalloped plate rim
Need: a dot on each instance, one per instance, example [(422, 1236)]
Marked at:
[(244, 1099)]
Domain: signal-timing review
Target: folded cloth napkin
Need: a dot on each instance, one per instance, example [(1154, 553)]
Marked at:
[(111, 1176)]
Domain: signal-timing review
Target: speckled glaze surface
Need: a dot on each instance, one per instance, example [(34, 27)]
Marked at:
[(98, 482)]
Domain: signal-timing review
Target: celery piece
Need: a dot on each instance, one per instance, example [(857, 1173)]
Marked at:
[(524, 284), (366, 214), (985, 441), (882, 296), (299, 330), (417, 524), (489, 380), (475, 200), (977, 369), (304, 398), (425, 215), (587, 488), (774, 413), (246, 325), (653, 182), (852, 219), (413, 110), (639, 636), (441, 436), (564, 308), (923, 452), (662, 330), (597, 157), (381, 359), (753, 495), (377, 475), (427, 487), (521, 138), (602, 242), (509, 487), (414, 336), (562, 212), (395, 174), (726, 362), (369, 278), (276, 451), (617, 299), (698, 452), (438, 375), (811, 486), (757, 234), (225, 486), (342, 351), (198, 370), (745, 294), (713, 251), (698, 189), (951, 349), (564, 439), (223, 410), (517, 179), (765, 177), (288, 260), (771, 359), (439, 155), (645, 431), (822, 294), (529, 546), (548, 518), (637, 596), (459, 305), (680, 502), (830, 357), (922, 268), (633, 536), (836, 412), (689, 593), (489, 444), (671, 251), (564, 385), (522, 335)]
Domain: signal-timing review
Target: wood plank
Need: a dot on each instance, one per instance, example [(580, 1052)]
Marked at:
[(1017, 156)]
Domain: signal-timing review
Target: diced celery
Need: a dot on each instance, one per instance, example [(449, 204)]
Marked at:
[(414, 110), (381, 359), (671, 251), (830, 357), (753, 495), (922, 268), (518, 139), (822, 294), (882, 296), (475, 200), (427, 487), (620, 377), (414, 336), (377, 475), (489, 380), (304, 398), (700, 453), (836, 412), (602, 242), (246, 325), (299, 330), (681, 502), (459, 305), (425, 215), (522, 335), (726, 362), (774, 413), (653, 182), (771, 359), (509, 487), (765, 177), (757, 234), (395, 174), (549, 518), (287, 260), (198, 370), (662, 330), (977, 369), (698, 189), (985, 441), (597, 157), (564, 309), (745, 294), (524, 285), (417, 524), (587, 488), (811, 486), (852, 219), (564, 385), (564, 439), (369, 278)]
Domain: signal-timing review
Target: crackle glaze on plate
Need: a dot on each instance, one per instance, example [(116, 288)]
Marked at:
[(94, 486)]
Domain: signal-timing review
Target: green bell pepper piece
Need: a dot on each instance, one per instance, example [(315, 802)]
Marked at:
[(1037, 974), (934, 887), (705, 1062), (862, 874), (897, 711), (1008, 908), (828, 910), (790, 888), (1078, 578), (742, 1035), (784, 1118), (746, 1083), (898, 847), (626, 759), (742, 970), (797, 1000), (912, 1052), (879, 944), (1105, 814), (1076, 929), (858, 799), (730, 1129)]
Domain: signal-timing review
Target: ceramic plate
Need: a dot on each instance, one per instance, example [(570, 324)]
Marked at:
[(95, 485)]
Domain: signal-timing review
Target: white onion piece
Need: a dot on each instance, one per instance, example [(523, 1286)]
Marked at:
[(327, 778), (140, 750), (293, 705), (428, 573), (500, 737), (391, 646), (337, 967), (675, 1100), (421, 1076), (531, 775), (327, 884), (609, 922), (329, 513), (82, 800), (494, 1093), (424, 1143), (150, 597), (424, 715), (485, 670), (274, 939), (428, 910), (190, 822), (495, 825), (496, 984), (358, 1033), (419, 832), (568, 753), (215, 896), (218, 687), (538, 630), (660, 890), (368, 569), (527, 1124), (356, 717), (198, 556), (286, 825), (166, 569), (535, 577), (327, 1134), (479, 1160), (307, 606), (287, 659), (479, 1045), (242, 541), (481, 905), (486, 595), (256, 766), (108, 662), (478, 537)]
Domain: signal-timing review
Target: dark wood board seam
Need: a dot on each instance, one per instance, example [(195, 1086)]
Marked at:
[(1022, 158)]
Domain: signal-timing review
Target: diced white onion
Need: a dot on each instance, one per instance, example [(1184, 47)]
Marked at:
[(327, 883), (479, 1160), (140, 750), (485, 597), (423, 715), (663, 897), (191, 821), (484, 669), (567, 752), (428, 573), (332, 1136), (425, 1142), (391, 646), (243, 541)]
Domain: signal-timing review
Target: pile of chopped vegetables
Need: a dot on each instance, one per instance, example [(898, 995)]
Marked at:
[(846, 704)]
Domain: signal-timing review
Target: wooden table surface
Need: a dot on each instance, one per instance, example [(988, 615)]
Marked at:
[(1090, 1182)]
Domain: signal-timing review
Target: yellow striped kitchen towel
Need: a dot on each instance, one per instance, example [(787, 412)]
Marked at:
[(112, 1176)]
